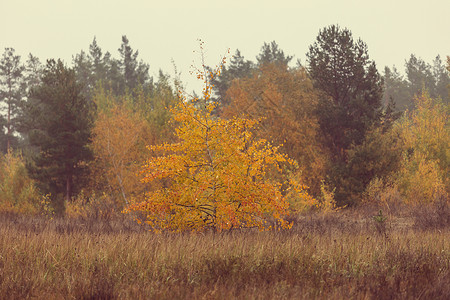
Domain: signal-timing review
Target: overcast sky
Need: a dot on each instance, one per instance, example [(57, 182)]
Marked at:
[(163, 30)]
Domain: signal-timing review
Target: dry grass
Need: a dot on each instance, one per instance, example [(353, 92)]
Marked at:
[(323, 257)]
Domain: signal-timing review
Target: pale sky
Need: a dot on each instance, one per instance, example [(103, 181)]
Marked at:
[(164, 30)]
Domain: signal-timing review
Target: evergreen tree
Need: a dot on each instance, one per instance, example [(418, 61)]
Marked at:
[(33, 72), (113, 77), (239, 67), (351, 101), (135, 73), (420, 76), (83, 70), (58, 123), (396, 90), (11, 91), (271, 53), (97, 62), (442, 79)]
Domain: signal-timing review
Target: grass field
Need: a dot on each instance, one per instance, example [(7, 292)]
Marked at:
[(338, 256)]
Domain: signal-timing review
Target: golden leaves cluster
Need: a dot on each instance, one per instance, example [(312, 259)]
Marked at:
[(214, 175)]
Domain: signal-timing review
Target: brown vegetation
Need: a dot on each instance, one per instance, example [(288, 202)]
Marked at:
[(348, 254)]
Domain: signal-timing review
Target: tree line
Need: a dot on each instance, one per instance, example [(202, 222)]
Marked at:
[(80, 135)]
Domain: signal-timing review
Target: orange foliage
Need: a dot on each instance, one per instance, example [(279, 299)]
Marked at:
[(119, 139), (286, 100), (216, 173)]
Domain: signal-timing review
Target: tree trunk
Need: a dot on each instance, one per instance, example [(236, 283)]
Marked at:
[(8, 126)]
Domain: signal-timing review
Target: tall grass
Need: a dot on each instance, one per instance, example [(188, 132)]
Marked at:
[(336, 257)]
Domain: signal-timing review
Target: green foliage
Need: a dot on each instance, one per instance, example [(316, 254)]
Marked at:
[(272, 54), (420, 75), (396, 89), (121, 76), (11, 92), (341, 68), (432, 77), (151, 105), (58, 124), (237, 68), (154, 107), (378, 156), (380, 223), (351, 101), (420, 175), (134, 72)]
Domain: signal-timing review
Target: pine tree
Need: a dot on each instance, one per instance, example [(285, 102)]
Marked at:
[(33, 72), (420, 76), (58, 124), (83, 70), (135, 73), (351, 102), (396, 90), (239, 68), (271, 53), (97, 62), (11, 91), (442, 79)]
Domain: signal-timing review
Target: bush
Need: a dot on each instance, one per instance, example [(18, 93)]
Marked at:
[(18, 192)]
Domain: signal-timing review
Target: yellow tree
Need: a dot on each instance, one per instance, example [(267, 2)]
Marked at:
[(119, 139), (18, 192), (424, 173), (215, 172)]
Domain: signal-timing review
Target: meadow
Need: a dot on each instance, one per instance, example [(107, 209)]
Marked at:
[(348, 254)]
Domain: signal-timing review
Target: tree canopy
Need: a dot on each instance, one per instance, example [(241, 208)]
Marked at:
[(59, 124)]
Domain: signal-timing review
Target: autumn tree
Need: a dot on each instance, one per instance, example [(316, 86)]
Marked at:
[(448, 70), (119, 139), (286, 101), (425, 166), (18, 192), (215, 171), (123, 127)]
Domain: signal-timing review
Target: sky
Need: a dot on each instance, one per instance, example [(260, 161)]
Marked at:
[(168, 30)]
